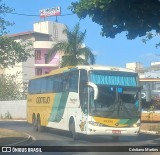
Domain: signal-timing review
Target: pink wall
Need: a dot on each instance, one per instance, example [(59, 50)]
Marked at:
[(54, 60), (42, 60), (46, 69)]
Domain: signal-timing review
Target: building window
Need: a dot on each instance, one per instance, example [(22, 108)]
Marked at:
[(38, 71), (55, 34), (37, 54), (46, 57)]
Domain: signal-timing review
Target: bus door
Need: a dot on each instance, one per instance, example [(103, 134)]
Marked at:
[(84, 100)]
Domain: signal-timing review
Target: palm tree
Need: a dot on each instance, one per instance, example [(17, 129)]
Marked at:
[(75, 53)]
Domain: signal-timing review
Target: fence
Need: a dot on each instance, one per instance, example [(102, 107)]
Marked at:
[(13, 109)]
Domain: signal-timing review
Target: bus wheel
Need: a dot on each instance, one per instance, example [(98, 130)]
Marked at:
[(34, 123), (115, 138), (39, 127), (73, 131)]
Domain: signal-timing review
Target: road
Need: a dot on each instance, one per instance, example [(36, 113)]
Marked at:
[(58, 138)]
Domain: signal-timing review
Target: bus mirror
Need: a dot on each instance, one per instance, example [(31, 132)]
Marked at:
[(95, 88)]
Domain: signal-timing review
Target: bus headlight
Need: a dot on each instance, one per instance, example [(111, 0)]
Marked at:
[(93, 123), (136, 125)]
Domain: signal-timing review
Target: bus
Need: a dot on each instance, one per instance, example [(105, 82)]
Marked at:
[(150, 95), (89, 100)]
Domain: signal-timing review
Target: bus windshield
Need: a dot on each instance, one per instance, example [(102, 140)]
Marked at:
[(118, 95)]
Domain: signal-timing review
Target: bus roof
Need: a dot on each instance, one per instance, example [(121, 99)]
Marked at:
[(89, 67), (109, 68)]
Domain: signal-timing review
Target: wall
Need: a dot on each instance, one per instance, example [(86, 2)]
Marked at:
[(43, 44), (152, 74), (52, 28), (16, 109), (136, 66), (25, 69), (28, 70)]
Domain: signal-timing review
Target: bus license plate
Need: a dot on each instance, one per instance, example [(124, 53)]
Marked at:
[(116, 131)]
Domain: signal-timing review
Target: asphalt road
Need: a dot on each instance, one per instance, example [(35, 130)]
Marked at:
[(59, 138)]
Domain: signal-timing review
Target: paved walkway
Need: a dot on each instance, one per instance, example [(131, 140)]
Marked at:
[(11, 138)]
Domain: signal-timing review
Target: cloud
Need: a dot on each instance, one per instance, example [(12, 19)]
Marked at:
[(150, 57)]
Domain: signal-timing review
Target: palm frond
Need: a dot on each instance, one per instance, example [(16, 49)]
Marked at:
[(72, 48), (69, 60), (88, 55)]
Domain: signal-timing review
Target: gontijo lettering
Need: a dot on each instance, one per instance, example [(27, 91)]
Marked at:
[(42, 100)]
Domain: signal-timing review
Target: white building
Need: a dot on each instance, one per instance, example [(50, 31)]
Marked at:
[(153, 71), (44, 35), (149, 78), (137, 67), (52, 28)]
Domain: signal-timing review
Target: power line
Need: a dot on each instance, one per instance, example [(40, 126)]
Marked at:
[(32, 15), (21, 14)]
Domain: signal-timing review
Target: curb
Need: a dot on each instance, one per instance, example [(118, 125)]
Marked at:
[(23, 141), (10, 120), (149, 132), (29, 138)]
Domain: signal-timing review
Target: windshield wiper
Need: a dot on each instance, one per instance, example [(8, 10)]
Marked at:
[(125, 108)]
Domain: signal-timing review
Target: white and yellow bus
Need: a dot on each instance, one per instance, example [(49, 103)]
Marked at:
[(90, 100)]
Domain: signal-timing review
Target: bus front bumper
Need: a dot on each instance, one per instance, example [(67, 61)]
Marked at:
[(96, 130)]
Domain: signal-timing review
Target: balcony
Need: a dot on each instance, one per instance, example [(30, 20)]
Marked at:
[(47, 65), (43, 44)]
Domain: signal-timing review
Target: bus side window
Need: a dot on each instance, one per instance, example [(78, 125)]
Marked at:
[(65, 82), (54, 84), (43, 85), (50, 84), (73, 81), (37, 85), (58, 83)]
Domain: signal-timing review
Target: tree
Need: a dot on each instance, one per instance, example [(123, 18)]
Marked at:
[(136, 17), (10, 88), (3, 23), (75, 53), (11, 52), (150, 36)]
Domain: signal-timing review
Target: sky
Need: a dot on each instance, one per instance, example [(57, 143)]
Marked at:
[(111, 52)]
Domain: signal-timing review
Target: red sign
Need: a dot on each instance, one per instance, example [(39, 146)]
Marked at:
[(56, 11), (116, 131)]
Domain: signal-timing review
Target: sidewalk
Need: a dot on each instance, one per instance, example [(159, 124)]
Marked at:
[(12, 138), (150, 128)]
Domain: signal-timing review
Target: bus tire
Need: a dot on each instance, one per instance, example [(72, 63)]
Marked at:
[(39, 127), (34, 123), (73, 131)]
